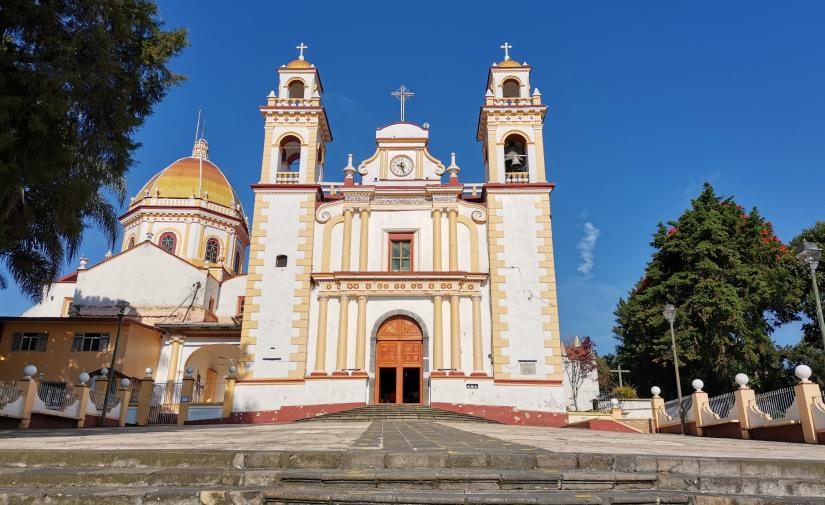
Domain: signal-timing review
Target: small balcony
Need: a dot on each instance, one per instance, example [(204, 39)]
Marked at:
[(287, 177)]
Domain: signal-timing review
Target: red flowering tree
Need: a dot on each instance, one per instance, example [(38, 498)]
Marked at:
[(733, 283), (579, 363)]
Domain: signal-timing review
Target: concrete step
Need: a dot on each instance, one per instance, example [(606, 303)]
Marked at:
[(397, 412)]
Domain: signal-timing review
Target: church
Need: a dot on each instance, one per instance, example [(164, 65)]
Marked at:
[(392, 281)]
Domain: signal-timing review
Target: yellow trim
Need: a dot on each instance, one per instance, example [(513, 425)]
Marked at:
[(174, 358), (498, 296), (186, 238), (361, 334), (346, 253), (550, 309), (436, 240), (363, 246), (321, 336), (438, 333), (327, 241), (541, 173), (478, 350), (455, 333), (343, 334), (453, 231), (474, 249)]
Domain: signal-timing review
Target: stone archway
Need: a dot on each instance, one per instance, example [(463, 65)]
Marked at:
[(211, 366), (425, 339)]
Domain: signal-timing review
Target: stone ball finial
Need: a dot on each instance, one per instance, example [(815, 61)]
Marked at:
[(29, 371), (125, 383), (148, 372), (104, 372), (189, 371), (742, 380), (614, 402), (697, 384), (656, 391), (233, 370), (82, 378), (803, 373)]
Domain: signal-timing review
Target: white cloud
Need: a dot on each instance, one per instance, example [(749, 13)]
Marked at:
[(586, 246)]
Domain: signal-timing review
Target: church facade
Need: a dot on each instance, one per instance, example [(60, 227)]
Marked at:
[(402, 283)]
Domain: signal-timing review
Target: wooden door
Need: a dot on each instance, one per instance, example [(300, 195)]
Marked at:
[(399, 362)]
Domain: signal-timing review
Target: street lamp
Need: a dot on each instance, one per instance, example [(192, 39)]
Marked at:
[(669, 312), (809, 254), (121, 305)]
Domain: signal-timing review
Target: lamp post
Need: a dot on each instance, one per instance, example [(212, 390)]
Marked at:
[(122, 305), (669, 312), (809, 254)]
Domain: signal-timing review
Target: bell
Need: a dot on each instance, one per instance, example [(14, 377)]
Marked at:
[(513, 157)]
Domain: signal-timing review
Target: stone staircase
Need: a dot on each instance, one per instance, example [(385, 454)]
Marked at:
[(69, 477), (393, 412)]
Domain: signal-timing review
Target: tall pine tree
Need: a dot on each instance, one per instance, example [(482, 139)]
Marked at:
[(732, 282)]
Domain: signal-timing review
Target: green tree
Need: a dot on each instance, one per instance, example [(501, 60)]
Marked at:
[(77, 77), (732, 283)]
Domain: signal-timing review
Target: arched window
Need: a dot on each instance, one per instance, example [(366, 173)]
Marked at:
[(281, 261), (290, 151), (511, 88), (296, 89), (131, 243), (237, 265), (515, 154), (168, 241), (213, 248)]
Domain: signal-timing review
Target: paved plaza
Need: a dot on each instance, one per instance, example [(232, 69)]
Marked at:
[(400, 436)]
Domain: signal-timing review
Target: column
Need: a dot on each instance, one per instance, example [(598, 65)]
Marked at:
[(438, 337), (347, 249), (361, 335), (321, 338), (174, 358), (437, 242), (478, 349), (364, 240), (455, 337), (452, 214), (343, 322)]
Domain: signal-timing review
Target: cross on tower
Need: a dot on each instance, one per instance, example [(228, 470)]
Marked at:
[(506, 48), (620, 372), (300, 47), (402, 94)]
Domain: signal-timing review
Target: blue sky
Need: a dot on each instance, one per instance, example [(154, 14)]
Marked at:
[(647, 101)]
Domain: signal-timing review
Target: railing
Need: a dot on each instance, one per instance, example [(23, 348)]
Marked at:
[(55, 395), (165, 403), (775, 403), (208, 392), (135, 392), (287, 177), (9, 392), (293, 102), (98, 398), (672, 407), (506, 102), (516, 177), (721, 405)]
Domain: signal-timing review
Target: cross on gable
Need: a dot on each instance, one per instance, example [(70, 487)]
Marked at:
[(402, 93), (300, 47), (506, 46)]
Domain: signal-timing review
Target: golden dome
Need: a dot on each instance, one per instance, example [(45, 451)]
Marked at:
[(299, 64), (509, 63), (184, 177)]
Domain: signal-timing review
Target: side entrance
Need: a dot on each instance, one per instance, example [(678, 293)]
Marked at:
[(399, 361)]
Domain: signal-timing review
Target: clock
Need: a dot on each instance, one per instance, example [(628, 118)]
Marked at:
[(401, 166)]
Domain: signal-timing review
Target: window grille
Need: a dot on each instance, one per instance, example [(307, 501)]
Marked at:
[(212, 250), (90, 342), (29, 342)]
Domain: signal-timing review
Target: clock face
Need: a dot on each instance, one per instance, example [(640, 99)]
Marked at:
[(401, 166)]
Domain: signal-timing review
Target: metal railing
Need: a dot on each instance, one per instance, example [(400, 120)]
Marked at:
[(208, 392), (775, 403), (56, 395), (9, 392), (134, 394), (165, 403), (672, 407), (516, 177), (721, 405), (98, 397)]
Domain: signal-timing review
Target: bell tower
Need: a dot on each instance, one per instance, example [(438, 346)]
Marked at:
[(296, 130), (510, 125)]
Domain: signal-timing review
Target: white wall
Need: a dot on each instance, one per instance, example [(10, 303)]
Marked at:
[(52, 303), (230, 291)]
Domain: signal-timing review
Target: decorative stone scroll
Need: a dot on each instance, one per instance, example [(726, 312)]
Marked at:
[(469, 285)]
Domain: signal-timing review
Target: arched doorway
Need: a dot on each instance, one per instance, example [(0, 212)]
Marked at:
[(399, 361)]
